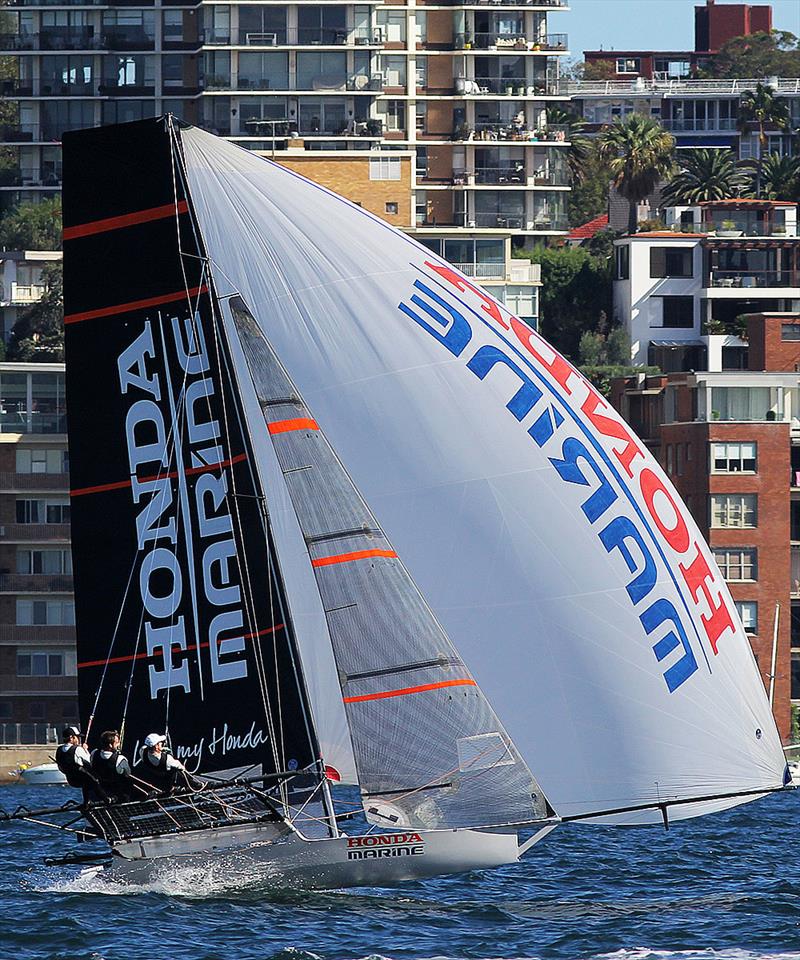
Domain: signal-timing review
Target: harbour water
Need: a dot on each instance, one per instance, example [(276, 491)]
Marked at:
[(725, 887)]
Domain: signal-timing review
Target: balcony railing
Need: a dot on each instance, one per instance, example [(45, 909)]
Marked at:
[(753, 278), (292, 38), (507, 87), (13, 635), (482, 271), (23, 133), (544, 4), (504, 221), (27, 734), (554, 133), (513, 174), (34, 532), (698, 125), (36, 583), (53, 87), (134, 39), (10, 482), (60, 684), (23, 421)]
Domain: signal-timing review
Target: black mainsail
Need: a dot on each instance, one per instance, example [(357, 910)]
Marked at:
[(182, 622)]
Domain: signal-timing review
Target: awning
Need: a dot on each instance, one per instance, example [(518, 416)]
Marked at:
[(677, 343)]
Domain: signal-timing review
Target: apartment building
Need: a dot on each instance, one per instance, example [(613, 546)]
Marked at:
[(698, 113), (21, 283), (38, 670), (730, 441), (681, 293), (465, 86), (714, 25)]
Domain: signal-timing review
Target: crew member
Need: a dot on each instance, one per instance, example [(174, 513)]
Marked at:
[(112, 769), (158, 767), (74, 761)]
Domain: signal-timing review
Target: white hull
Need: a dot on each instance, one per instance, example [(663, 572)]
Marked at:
[(43, 775), (258, 853)]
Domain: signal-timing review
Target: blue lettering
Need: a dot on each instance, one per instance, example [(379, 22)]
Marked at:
[(662, 611), (614, 535), (528, 394), (568, 469), (460, 332)]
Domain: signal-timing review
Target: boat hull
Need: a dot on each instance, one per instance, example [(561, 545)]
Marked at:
[(43, 775), (257, 854)]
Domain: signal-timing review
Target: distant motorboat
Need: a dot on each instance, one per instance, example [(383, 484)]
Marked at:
[(42, 775)]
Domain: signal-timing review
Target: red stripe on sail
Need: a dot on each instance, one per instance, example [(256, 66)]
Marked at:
[(176, 649), (349, 557), (134, 305), (286, 426), (125, 220), (188, 472), (405, 691)]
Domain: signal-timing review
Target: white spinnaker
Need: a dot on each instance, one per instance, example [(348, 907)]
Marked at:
[(497, 539)]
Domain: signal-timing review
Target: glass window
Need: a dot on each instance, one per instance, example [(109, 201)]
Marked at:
[(622, 260), (44, 561), (318, 71), (790, 331), (678, 312), (384, 168), (748, 614), (40, 663), (733, 457), (670, 262), (628, 64), (734, 510), (45, 612), (737, 564), (743, 403)]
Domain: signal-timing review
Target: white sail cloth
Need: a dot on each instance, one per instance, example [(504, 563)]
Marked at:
[(546, 539)]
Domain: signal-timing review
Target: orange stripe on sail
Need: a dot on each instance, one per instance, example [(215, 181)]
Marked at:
[(188, 472), (176, 649), (134, 305), (286, 426), (125, 220), (405, 691), (348, 557)]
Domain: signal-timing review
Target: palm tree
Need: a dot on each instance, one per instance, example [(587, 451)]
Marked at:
[(639, 154), (579, 144), (762, 108), (780, 177), (705, 174)]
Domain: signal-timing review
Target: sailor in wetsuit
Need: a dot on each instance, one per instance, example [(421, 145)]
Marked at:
[(73, 760), (112, 769), (158, 767)]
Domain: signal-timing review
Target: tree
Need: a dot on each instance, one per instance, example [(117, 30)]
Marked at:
[(599, 70), (705, 174), (639, 154), (760, 107), (579, 144), (32, 226), (589, 195), (38, 335), (775, 54), (575, 294), (780, 177)]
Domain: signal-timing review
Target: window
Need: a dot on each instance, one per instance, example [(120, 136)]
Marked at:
[(5, 710), (44, 561), (628, 64), (745, 403), (677, 312), (670, 262), (41, 461), (679, 459), (45, 613), (670, 460), (748, 614), (42, 511), (790, 331), (384, 168), (40, 663), (734, 510), (622, 262), (391, 208), (737, 564), (733, 458)]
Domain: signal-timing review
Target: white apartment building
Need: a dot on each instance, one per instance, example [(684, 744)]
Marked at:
[(680, 292), (21, 283)]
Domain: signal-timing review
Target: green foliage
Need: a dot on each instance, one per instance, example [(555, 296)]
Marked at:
[(599, 70), (579, 144), (780, 178), (589, 195), (32, 226), (655, 223), (598, 349), (775, 54), (762, 108), (705, 174), (639, 154), (602, 243), (575, 294), (38, 335)]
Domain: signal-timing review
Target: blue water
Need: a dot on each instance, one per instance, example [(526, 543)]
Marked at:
[(725, 887)]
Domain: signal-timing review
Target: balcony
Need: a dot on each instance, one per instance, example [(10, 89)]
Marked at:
[(27, 734), (554, 133), (134, 38), (482, 271), (22, 421), (12, 635), (109, 88), (507, 87), (24, 133), (16, 88), (36, 583), (497, 175), (34, 532), (12, 482), (753, 279), (706, 125), (500, 221), (57, 685), (67, 38), (53, 87)]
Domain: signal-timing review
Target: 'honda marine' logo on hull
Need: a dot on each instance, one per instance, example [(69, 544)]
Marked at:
[(382, 845)]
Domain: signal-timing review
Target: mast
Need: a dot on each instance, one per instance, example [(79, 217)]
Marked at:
[(181, 615)]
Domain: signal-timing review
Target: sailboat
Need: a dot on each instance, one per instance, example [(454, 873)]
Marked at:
[(340, 517)]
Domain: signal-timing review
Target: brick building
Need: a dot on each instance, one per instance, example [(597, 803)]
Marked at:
[(38, 672), (730, 441)]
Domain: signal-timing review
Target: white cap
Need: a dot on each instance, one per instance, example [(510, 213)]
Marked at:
[(153, 738)]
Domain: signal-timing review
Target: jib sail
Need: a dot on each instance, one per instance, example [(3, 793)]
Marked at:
[(181, 618)]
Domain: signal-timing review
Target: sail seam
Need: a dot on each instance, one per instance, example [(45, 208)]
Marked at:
[(406, 691), (124, 220), (134, 305), (404, 668), (343, 535)]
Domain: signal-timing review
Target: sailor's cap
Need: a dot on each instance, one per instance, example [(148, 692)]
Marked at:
[(70, 731), (153, 738)]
